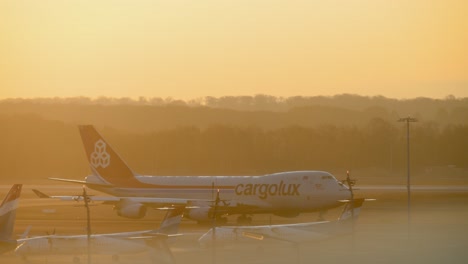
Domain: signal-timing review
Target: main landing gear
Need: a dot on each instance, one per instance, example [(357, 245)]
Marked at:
[(244, 220), (321, 215), (220, 220)]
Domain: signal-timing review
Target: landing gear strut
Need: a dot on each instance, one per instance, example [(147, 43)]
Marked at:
[(321, 215), (244, 220), (221, 220)]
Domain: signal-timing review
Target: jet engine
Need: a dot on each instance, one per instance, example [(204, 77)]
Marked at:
[(130, 210), (202, 214)]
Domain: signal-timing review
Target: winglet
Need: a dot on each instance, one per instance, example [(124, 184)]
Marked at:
[(26, 232), (40, 194), (171, 221)]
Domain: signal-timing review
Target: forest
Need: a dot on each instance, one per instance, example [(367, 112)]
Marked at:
[(245, 135)]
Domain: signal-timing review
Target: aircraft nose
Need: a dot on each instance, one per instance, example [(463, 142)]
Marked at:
[(348, 194), (345, 193)]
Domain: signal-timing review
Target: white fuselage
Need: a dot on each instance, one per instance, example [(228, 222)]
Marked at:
[(291, 191)]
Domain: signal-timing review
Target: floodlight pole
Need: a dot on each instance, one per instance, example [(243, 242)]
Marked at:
[(213, 223), (408, 181), (88, 224)]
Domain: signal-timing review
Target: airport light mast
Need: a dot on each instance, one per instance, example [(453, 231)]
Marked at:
[(408, 120), (213, 225), (86, 200)]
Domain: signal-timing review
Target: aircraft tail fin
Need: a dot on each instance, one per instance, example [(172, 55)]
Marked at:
[(104, 161), (26, 232), (171, 221), (169, 227), (8, 212), (351, 209)]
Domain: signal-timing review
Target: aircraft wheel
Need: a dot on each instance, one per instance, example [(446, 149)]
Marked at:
[(221, 220), (205, 223), (244, 220)]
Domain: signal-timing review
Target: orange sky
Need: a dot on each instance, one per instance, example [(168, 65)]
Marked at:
[(190, 49)]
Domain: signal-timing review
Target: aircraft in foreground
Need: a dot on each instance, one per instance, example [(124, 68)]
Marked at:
[(151, 241), (7, 218), (284, 194), (293, 233)]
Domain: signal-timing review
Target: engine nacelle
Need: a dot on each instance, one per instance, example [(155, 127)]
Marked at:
[(199, 214), (130, 210)]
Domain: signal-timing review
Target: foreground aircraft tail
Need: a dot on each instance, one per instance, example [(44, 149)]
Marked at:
[(104, 161), (7, 218), (169, 228), (351, 209), (171, 221)]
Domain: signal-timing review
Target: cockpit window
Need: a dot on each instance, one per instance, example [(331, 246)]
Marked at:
[(327, 177)]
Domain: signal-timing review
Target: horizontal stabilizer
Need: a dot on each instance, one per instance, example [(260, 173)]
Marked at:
[(68, 180), (79, 182)]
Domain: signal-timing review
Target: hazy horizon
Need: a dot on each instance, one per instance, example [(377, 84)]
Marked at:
[(187, 100)]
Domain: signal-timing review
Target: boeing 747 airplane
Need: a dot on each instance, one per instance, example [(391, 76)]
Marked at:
[(153, 242), (285, 194)]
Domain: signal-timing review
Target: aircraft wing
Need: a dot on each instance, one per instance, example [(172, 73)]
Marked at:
[(156, 201), (149, 201), (287, 233), (294, 233)]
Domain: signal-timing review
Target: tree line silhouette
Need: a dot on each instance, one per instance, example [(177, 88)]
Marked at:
[(39, 138)]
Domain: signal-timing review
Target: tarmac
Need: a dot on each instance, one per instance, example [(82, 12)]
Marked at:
[(435, 231)]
